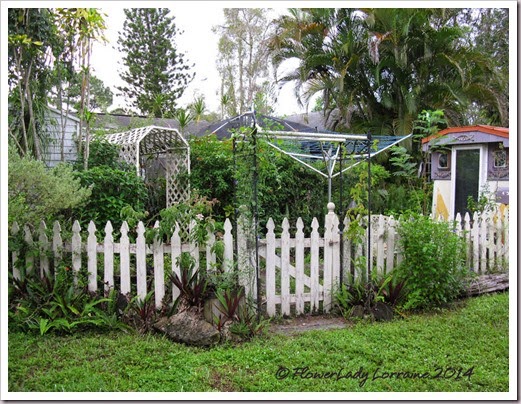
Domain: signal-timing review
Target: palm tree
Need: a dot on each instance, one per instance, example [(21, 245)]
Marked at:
[(376, 69), (198, 108)]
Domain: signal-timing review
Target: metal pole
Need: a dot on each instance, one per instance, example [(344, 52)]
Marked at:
[(256, 217), (369, 247), (341, 224), (235, 207)]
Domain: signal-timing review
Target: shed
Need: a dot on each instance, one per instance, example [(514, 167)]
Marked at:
[(468, 161)]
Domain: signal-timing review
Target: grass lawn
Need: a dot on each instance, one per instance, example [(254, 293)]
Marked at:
[(467, 347)]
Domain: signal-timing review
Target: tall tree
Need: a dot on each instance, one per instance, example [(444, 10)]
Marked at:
[(80, 27), (376, 69), (49, 49), (155, 73), (100, 96), (30, 39), (244, 63)]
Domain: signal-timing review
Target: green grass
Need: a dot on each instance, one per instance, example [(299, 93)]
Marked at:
[(474, 335)]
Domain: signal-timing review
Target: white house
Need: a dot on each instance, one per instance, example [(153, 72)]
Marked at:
[(468, 161), (70, 124)]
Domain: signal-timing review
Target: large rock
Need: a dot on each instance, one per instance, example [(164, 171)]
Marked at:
[(382, 312), (188, 328)]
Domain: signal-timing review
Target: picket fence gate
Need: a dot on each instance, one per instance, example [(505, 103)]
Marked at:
[(297, 273)]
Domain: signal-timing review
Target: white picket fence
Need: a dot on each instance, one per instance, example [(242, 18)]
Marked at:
[(297, 272)]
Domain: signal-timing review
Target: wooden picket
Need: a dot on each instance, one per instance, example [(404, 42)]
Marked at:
[(299, 273)]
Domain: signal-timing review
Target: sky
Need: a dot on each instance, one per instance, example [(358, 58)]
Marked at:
[(197, 42)]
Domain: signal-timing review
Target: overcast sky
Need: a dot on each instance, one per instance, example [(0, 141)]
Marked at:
[(197, 42)]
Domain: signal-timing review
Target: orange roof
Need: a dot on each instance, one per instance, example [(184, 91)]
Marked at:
[(493, 130)]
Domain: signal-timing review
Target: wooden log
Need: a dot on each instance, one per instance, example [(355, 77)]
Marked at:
[(488, 283)]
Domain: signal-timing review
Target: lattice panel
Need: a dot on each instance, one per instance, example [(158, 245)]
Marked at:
[(177, 181), (165, 142)]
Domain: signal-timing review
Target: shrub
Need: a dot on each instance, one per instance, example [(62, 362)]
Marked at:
[(112, 189), (434, 262), (36, 192)]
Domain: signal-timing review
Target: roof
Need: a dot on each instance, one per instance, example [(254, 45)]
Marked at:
[(223, 129), (70, 114), (111, 122), (491, 130)]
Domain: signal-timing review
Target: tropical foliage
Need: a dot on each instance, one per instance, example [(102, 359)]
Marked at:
[(49, 60), (377, 69)]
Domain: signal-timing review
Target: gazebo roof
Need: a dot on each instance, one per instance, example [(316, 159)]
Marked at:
[(158, 139)]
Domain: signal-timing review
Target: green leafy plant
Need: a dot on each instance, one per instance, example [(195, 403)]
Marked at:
[(36, 192), (248, 323), (141, 312), (112, 190), (434, 262), (191, 283), (393, 290), (55, 302), (230, 300)]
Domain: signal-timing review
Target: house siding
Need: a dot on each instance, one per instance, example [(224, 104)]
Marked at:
[(52, 154)]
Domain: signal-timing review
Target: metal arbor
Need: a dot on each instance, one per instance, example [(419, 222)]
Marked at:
[(158, 149)]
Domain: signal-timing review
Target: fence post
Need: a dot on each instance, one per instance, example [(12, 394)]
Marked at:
[(57, 244), (211, 257), (475, 242), (505, 238), (228, 246), (124, 259), (348, 245), (159, 272), (379, 234), (76, 250), (92, 261), (44, 249), (284, 268), (15, 229), (194, 246), (29, 257), (270, 268), (331, 255), (314, 265), (299, 267), (391, 237), (108, 248), (175, 246), (246, 258), (141, 262)]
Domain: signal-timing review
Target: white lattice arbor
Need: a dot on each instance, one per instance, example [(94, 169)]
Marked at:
[(165, 147)]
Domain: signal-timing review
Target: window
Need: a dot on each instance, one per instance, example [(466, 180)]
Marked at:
[(443, 161), (500, 159)]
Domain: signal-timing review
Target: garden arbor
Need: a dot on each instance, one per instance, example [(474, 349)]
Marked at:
[(158, 151)]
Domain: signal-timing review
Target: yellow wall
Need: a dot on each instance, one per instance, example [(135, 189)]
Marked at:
[(442, 196)]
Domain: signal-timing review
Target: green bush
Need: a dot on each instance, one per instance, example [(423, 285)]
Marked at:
[(434, 262), (285, 187), (112, 190), (36, 192)]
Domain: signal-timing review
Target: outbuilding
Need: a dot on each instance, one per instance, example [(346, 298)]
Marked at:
[(468, 162)]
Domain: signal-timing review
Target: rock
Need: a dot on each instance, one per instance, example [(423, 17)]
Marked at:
[(382, 312), (358, 311), (188, 328)]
